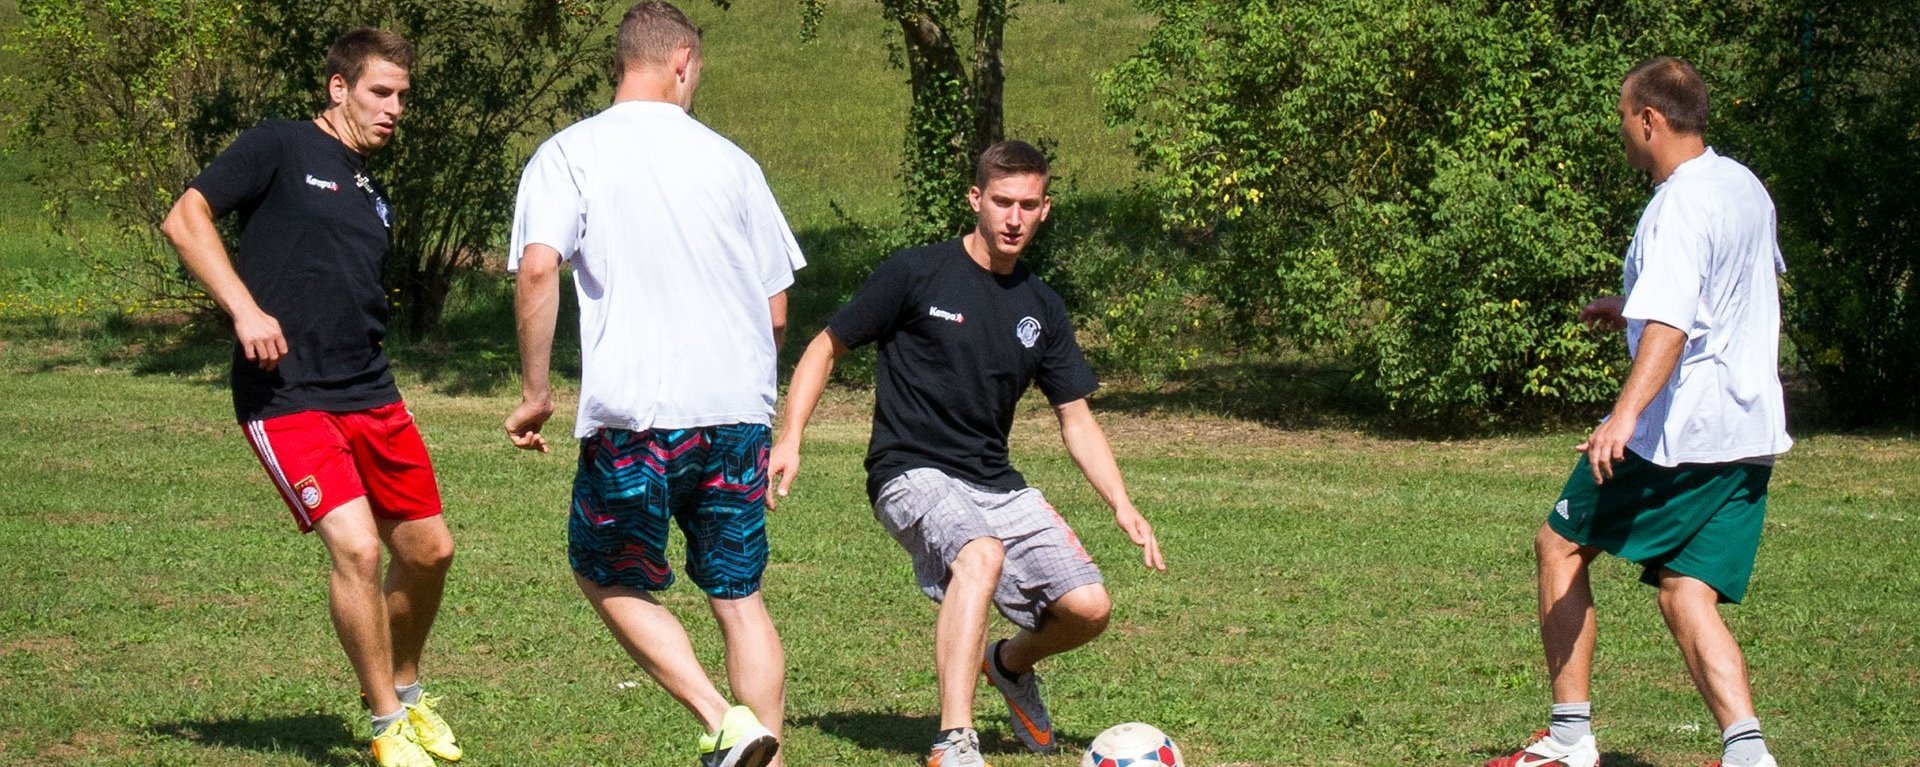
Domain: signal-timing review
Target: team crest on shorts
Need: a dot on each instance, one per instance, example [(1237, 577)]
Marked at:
[(309, 491), (1028, 330)]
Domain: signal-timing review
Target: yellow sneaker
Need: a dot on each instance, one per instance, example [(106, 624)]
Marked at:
[(430, 731), (741, 742), (395, 747)]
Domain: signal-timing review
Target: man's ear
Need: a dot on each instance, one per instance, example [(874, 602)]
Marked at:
[(337, 88), (973, 198), (681, 62)]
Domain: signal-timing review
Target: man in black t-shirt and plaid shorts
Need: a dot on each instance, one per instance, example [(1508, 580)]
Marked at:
[(963, 328), (311, 385)]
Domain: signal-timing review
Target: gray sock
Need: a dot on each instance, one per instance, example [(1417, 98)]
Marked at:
[(410, 694), (1742, 745), (381, 723), (1571, 722)]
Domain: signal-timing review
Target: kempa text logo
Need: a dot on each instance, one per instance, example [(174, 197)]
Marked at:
[(953, 317), (331, 186)]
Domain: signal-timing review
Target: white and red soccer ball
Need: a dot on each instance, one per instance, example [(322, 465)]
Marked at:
[(1133, 744)]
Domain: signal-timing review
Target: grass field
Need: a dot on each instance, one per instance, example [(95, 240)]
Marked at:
[(1334, 597)]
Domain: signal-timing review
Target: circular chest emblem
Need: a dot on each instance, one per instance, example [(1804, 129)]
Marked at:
[(1028, 331)]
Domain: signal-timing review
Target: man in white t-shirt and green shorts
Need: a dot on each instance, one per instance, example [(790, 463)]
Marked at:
[(1676, 478)]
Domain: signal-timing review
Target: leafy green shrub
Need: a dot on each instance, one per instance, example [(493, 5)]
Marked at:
[(1836, 110), (1428, 189)]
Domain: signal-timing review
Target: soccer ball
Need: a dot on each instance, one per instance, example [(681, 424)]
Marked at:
[(1133, 744)]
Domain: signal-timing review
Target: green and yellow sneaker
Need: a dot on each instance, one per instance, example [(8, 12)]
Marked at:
[(430, 731), (741, 742), (395, 747)]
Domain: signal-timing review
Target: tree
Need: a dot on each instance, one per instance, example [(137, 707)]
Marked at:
[(140, 95), (1835, 104), (122, 99), (957, 100)]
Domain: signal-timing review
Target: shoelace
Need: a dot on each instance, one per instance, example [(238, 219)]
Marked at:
[(430, 719)]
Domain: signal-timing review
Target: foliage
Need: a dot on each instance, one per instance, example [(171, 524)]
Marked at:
[(1429, 189), (120, 97), (1836, 106), (957, 106), (138, 96)]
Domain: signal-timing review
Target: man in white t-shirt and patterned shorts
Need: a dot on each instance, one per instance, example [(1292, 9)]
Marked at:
[(1676, 478), (682, 260)]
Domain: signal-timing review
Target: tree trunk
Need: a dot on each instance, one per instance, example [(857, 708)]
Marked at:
[(989, 77)]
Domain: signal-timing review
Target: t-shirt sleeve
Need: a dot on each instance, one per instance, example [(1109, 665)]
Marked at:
[(548, 209), (1064, 374), (243, 172), (1672, 268), (772, 240), (875, 309)]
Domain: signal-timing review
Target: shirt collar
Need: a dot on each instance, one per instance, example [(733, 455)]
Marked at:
[(1705, 159)]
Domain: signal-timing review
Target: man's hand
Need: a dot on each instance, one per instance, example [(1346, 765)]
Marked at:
[(1604, 313), (1607, 444), (782, 463), (260, 338), (523, 425), (1137, 529)]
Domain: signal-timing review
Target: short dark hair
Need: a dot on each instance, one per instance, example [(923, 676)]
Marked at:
[(1008, 158), (348, 55), (1671, 87), (650, 33)]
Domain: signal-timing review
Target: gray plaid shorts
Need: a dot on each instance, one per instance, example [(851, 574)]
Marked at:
[(933, 516)]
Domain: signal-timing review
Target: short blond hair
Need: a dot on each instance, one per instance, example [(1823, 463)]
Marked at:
[(649, 35)]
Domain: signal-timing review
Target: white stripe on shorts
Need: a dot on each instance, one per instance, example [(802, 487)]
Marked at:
[(257, 434)]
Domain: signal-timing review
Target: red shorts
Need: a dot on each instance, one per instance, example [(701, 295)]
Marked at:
[(321, 460)]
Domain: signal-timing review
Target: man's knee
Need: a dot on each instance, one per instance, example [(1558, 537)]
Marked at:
[(1682, 593), (357, 556), (433, 555), (1552, 549), (1089, 606), (979, 560)]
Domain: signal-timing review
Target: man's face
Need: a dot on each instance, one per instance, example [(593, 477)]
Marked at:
[(371, 106), (1636, 124), (1010, 210)]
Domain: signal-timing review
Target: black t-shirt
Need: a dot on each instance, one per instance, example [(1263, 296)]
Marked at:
[(958, 347), (313, 245)]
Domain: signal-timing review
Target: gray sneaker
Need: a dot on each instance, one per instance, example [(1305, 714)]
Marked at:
[(1026, 712), (961, 748)]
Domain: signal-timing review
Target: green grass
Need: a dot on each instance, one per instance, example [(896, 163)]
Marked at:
[(1333, 599)]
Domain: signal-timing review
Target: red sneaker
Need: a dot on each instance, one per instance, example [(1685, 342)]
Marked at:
[(1547, 752)]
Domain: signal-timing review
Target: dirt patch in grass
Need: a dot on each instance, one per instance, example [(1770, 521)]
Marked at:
[(62, 646), (85, 743)]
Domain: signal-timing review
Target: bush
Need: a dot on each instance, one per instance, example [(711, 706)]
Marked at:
[(1431, 190)]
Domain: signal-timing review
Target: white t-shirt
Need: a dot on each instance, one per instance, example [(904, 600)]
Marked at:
[(1704, 259), (676, 245)]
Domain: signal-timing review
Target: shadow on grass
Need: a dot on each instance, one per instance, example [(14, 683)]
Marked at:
[(317, 738), (878, 730), (1286, 394), (912, 734), (1608, 758)]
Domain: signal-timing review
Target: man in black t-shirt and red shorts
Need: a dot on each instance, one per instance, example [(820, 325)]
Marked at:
[(963, 328), (311, 385)]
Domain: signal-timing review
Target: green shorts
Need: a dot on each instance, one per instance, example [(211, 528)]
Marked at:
[(1701, 520)]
